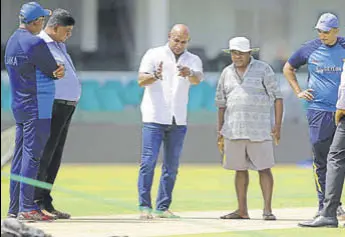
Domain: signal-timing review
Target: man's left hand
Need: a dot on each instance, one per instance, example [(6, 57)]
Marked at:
[(338, 115), (184, 71), (275, 133)]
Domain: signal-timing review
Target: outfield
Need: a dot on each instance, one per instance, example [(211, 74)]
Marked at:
[(95, 190)]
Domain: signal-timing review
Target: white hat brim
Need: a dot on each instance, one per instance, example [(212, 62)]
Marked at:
[(250, 50)]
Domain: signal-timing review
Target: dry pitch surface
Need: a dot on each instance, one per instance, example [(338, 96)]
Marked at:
[(190, 223)]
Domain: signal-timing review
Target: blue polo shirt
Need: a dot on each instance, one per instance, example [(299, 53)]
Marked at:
[(30, 67), (325, 67)]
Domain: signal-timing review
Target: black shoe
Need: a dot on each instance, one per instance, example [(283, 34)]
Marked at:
[(321, 221), (60, 215), (11, 215)]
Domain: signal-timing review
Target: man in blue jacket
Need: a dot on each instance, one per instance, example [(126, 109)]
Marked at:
[(31, 69)]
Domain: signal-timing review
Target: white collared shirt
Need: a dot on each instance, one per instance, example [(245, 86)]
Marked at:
[(167, 98), (68, 87)]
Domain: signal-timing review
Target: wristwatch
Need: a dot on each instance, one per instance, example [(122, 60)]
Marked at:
[(155, 76)]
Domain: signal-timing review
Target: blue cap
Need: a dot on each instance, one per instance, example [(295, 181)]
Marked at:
[(32, 10), (327, 21)]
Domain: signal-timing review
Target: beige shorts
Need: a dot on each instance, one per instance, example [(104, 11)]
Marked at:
[(245, 154)]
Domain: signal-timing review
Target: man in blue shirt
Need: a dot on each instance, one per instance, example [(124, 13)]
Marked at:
[(31, 69), (67, 93), (324, 58)]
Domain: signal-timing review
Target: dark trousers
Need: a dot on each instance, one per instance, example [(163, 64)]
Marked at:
[(153, 135), (321, 131), (31, 138), (52, 154), (335, 172)]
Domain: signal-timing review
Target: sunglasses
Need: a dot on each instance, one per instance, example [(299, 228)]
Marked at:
[(323, 32)]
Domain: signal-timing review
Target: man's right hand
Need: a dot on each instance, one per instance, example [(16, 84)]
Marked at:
[(306, 94), (275, 133), (59, 72)]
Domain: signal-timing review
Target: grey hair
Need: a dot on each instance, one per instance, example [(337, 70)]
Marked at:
[(23, 22), (61, 17)]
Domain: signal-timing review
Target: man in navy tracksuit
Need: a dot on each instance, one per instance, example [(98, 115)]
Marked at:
[(31, 69), (324, 57)]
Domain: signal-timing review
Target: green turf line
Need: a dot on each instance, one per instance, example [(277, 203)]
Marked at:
[(82, 195)]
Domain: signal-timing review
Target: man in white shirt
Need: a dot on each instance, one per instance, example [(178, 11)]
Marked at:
[(166, 72)]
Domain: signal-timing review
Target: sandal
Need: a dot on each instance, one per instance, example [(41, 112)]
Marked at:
[(145, 216), (165, 214), (269, 217), (234, 216)]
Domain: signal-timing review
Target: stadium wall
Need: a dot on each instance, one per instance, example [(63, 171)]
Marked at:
[(105, 136)]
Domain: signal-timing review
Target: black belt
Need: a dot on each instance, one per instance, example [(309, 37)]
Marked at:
[(65, 102)]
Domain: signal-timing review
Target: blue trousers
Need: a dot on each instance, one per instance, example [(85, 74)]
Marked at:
[(321, 131), (152, 136), (31, 137)]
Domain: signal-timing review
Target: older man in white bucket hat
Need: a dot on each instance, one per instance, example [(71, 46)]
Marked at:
[(245, 93)]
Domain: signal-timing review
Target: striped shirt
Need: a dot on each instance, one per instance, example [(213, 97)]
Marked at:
[(248, 101), (341, 94)]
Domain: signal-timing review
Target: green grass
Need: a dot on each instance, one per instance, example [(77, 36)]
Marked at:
[(203, 187), (323, 232), (111, 189)]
